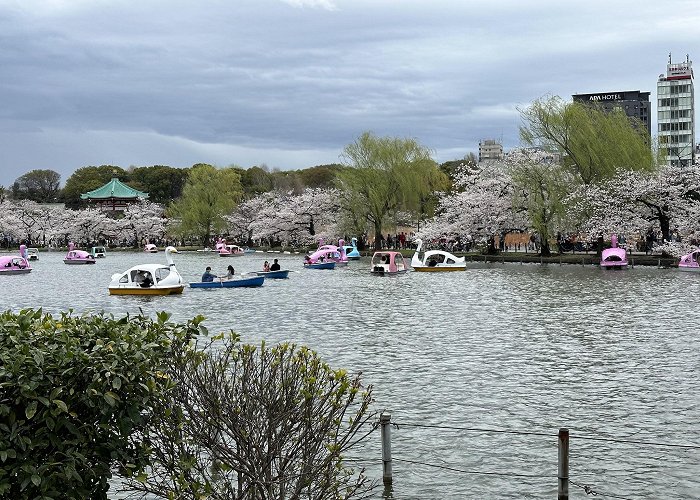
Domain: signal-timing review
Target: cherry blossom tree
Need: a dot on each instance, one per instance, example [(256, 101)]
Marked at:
[(635, 203), (250, 215), (142, 221), (480, 205), (300, 219)]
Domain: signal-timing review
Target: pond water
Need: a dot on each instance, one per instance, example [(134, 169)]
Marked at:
[(521, 348)]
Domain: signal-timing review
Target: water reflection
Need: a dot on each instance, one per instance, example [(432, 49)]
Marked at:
[(525, 347)]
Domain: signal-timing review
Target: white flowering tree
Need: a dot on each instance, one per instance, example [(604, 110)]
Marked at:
[(637, 203), (480, 205), (29, 221), (298, 219), (141, 221), (81, 226), (249, 218)]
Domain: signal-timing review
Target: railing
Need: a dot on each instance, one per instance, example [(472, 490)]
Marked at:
[(563, 479)]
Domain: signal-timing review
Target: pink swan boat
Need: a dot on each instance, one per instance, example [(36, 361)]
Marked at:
[(615, 257), (76, 257), (329, 253), (13, 264), (689, 262)]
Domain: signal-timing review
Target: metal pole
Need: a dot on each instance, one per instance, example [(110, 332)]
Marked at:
[(563, 473), (385, 422)]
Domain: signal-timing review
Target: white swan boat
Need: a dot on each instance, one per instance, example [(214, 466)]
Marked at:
[(149, 279), (435, 261)]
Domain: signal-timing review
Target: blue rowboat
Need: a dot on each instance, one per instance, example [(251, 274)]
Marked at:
[(234, 283), (320, 265), (277, 275)]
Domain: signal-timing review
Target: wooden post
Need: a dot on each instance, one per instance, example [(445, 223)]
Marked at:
[(632, 262), (659, 266), (563, 469), (583, 261), (484, 259), (385, 422)]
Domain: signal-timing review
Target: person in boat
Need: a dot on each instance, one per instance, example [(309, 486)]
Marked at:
[(307, 259), (266, 267), (146, 281), (432, 262), (230, 272), (208, 277), (275, 266)]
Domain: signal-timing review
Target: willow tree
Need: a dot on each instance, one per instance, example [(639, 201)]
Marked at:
[(540, 189), (387, 174), (595, 145), (209, 194)]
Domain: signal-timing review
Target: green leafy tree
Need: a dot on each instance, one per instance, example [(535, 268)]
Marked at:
[(209, 194), (541, 187), (594, 144), (87, 179), (320, 176), (42, 186), (77, 399), (258, 422), (386, 174), (256, 180), (288, 181), (162, 183)]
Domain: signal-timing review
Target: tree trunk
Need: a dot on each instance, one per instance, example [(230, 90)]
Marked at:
[(665, 224), (377, 236)]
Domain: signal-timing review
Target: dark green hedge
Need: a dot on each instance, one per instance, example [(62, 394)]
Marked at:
[(76, 394)]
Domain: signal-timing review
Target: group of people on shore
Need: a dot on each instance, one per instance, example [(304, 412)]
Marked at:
[(208, 276)]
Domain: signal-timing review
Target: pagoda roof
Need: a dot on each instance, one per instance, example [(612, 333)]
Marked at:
[(114, 189)]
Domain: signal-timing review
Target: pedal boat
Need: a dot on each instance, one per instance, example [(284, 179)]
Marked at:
[(615, 257), (436, 261), (351, 251), (166, 279), (689, 262), (15, 264), (77, 257), (387, 263)]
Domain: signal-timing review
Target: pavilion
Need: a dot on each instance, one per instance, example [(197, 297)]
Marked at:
[(114, 196)]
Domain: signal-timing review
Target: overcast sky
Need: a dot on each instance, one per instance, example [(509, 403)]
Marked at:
[(289, 83)]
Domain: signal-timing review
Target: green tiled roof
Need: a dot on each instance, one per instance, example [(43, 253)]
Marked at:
[(114, 189)]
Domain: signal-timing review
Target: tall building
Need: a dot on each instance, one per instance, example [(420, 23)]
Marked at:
[(634, 103), (490, 149), (676, 113)]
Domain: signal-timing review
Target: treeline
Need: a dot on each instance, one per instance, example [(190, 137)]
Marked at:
[(162, 183)]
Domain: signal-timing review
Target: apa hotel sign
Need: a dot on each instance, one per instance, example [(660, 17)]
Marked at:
[(605, 97)]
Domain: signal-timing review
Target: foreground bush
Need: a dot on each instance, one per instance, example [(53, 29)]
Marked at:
[(77, 397), (249, 422)]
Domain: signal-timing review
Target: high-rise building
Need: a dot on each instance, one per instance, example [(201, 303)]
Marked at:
[(634, 103), (676, 113), (490, 149)]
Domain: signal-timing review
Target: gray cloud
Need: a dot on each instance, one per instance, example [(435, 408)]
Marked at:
[(290, 83)]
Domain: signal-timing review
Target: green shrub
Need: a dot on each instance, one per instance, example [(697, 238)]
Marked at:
[(76, 399), (258, 422)]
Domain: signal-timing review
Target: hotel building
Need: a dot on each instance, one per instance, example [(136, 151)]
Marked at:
[(634, 103), (676, 113)]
